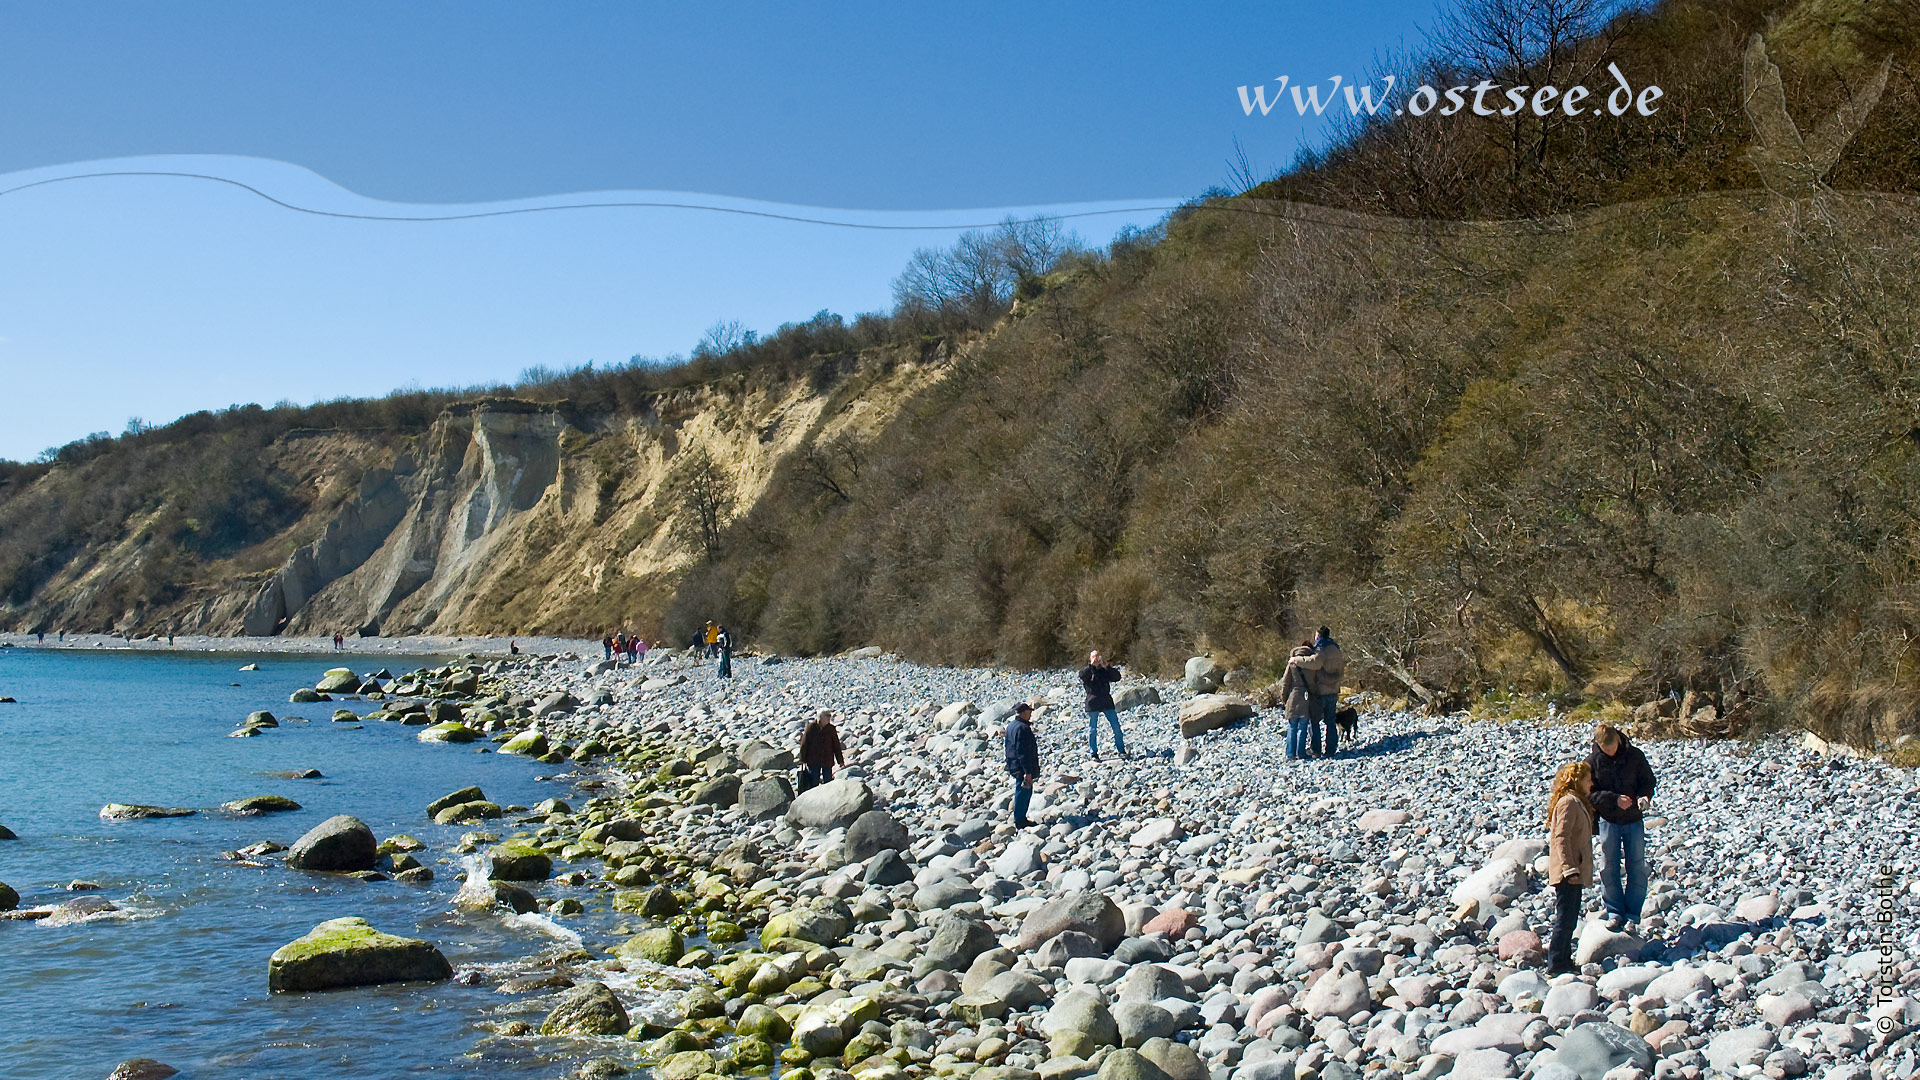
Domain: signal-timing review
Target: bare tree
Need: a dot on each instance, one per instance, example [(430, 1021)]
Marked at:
[(978, 275), (723, 337), (705, 493)]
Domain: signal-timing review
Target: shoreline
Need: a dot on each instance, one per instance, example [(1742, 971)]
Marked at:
[(419, 645)]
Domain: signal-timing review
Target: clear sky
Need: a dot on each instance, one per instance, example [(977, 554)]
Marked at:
[(154, 297)]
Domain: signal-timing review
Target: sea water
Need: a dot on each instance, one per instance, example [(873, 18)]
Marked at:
[(180, 972)]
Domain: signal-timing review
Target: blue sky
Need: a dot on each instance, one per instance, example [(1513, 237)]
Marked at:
[(154, 297)]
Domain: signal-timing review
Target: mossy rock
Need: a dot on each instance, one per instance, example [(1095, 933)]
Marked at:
[(697, 958), (260, 804), (304, 696), (661, 946), (467, 811), (764, 1022), (450, 732), (701, 1002), (673, 1042), (862, 1046), (753, 1053), (587, 1009), (350, 952), (519, 861), (527, 744), (722, 932), (685, 1065)]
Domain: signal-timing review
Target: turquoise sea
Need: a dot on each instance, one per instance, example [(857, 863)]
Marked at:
[(179, 973)]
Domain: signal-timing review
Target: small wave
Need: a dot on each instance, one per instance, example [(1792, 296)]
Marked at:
[(543, 924), (127, 910)]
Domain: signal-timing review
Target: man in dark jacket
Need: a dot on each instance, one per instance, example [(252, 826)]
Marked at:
[(1095, 678), (1622, 791), (1324, 669), (1023, 760)]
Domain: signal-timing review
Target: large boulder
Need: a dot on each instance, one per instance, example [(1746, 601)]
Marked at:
[(349, 952), (1340, 995), (9, 899), (1593, 1050), (834, 805), (1210, 711), (806, 924), (518, 861), (342, 842), (464, 795), (260, 804), (765, 798), (529, 743), (662, 945), (1132, 697), (1088, 912), (1078, 1024), (957, 941), (1130, 1064), (1203, 676), (338, 681), (874, 832), (1493, 885), (557, 702), (137, 811), (587, 1009), (722, 791)]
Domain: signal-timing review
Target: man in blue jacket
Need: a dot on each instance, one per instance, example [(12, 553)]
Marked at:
[(1023, 760)]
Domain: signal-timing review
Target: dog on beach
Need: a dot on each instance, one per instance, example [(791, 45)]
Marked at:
[(1349, 720)]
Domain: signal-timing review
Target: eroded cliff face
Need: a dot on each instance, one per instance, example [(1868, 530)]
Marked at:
[(506, 516)]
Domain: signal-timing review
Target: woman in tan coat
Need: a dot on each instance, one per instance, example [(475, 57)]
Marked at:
[(1569, 856)]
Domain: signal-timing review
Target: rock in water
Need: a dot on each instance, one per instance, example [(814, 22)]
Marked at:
[(1090, 913), (9, 899), (464, 795), (587, 1009), (831, 806), (1210, 711), (448, 732), (338, 681), (529, 743), (260, 804), (341, 842), (142, 1069), (136, 811), (349, 952), (519, 862), (662, 945)]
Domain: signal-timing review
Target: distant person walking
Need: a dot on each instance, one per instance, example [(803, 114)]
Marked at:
[(1622, 792), (820, 751), (1097, 678), (606, 647), (1297, 699), (1023, 761), (726, 653), (712, 638), (1324, 667), (639, 650), (1569, 857)]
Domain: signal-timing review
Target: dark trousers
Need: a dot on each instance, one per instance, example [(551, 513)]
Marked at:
[(1022, 795), (819, 774), (1321, 710), (1565, 919)]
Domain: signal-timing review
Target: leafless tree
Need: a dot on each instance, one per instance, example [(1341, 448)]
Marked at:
[(705, 493)]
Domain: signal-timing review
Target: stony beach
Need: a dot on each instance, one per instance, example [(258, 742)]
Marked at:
[(1203, 910)]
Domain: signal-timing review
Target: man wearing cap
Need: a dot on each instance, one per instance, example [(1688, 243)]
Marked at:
[(1023, 760)]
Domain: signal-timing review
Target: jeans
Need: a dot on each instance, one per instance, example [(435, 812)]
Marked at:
[(1320, 712), (1093, 731), (1565, 919), (1022, 795), (1623, 848), (819, 774), (1297, 736)]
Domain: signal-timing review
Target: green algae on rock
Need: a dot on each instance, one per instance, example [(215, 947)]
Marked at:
[(350, 952)]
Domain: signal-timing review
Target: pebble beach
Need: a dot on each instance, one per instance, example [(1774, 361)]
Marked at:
[(1202, 909)]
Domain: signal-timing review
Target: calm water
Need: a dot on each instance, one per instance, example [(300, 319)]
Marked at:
[(184, 979)]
